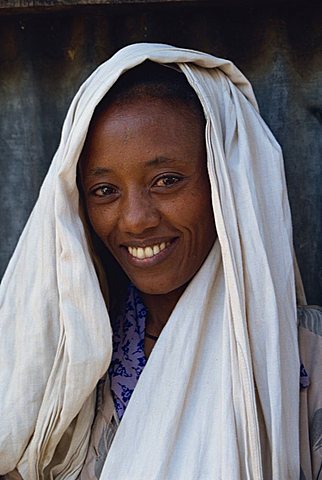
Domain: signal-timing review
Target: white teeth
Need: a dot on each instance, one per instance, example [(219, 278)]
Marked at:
[(147, 252), (156, 249), (140, 253)]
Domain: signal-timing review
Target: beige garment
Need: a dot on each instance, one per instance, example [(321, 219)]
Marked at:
[(310, 339), (55, 336)]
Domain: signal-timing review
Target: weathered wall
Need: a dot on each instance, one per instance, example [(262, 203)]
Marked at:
[(44, 57)]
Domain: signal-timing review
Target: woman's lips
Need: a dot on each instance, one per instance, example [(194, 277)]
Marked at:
[(149, 251), (148, 255)]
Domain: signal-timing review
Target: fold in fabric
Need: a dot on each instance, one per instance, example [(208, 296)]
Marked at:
[(221, 399)]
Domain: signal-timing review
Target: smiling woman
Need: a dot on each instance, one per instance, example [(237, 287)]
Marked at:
[(158, 318), (146, 187), (147, 196)]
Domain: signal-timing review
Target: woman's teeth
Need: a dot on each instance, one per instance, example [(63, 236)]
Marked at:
[(147, 252)]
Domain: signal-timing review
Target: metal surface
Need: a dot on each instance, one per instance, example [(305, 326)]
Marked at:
[(54, 4), (45, 57)]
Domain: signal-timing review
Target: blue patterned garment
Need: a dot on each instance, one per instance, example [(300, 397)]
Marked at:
[(304, 378), (128, 358)]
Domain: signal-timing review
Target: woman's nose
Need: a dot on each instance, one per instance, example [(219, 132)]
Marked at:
[(138, 213)]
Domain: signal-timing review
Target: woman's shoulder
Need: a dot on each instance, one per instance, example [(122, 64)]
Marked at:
[(310, 340), (310, 344), (310, 318)]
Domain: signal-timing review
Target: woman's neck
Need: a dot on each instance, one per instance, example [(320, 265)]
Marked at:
[(159, 309)]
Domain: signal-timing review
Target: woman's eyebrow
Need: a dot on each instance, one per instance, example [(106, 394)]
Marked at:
[(97, 171), (159, 161)]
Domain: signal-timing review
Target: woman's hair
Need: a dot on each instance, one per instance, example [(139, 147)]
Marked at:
[(155, 81)]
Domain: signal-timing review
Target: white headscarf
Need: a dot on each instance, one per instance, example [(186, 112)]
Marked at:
[(218, 401)]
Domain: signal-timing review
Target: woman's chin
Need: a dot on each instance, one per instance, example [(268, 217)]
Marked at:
[(158, 288)]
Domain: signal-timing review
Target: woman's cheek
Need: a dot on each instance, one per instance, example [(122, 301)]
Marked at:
[(96, 220), (103, 221)]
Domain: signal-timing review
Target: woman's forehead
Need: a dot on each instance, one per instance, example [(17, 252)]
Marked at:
[(146, 129)]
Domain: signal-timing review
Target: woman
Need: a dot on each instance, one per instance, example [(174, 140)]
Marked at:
[(199, 224)]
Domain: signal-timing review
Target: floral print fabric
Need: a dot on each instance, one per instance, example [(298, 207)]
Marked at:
[(128, 359)]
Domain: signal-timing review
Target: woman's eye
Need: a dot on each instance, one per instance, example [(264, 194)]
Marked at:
[(104, 191), (167, 181)]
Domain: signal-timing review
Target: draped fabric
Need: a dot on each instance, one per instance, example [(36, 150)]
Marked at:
[(219, 395)]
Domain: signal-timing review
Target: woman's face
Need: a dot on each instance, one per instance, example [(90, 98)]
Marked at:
[(147, 192)]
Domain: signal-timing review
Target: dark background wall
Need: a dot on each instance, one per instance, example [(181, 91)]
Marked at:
[(49, 48)]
